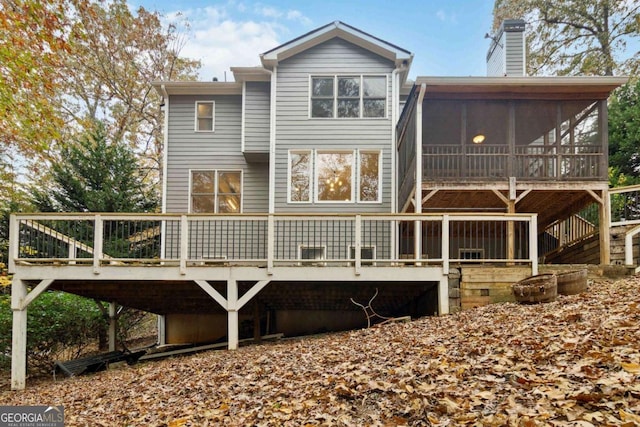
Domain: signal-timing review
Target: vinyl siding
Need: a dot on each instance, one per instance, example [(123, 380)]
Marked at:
[(495, 61), (514, 54), (295, 130), (188, 150), (257, 109)]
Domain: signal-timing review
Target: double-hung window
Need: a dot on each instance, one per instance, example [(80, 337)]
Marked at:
[(204, 116), (215, 191), (348, 96)]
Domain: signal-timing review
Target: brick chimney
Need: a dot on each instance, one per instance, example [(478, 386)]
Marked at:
[(507, 53)]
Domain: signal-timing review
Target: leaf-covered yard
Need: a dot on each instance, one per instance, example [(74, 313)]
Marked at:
[(572, 362)]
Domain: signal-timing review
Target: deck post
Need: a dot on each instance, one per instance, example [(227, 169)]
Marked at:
[(14, 242), (162, 335), (604, 211), (97, 243), (112, 326), (232, 314), (443, 295), (445, 244), (533, 243), (19, 335), (184, 244)]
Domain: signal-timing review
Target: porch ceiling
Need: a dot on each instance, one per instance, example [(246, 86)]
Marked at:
[(550, 205), (164, 297)]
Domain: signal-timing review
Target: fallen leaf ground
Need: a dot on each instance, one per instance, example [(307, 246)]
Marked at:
[(573, 362)]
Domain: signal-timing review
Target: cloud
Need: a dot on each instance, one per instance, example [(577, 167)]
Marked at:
[(445, 17), (296, 15), (234, 34)]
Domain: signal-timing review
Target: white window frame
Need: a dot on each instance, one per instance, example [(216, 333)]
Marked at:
[(316, 171), (314, 261), (358, 177), (213, 117), (356, 168), (363, 261), (215, 184), (479, 251), (335, 96), (311, 178)]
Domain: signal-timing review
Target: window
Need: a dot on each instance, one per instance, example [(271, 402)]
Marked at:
[(314, 253), (216, 191), (204, 116), (374, 97), (369, 177), (366, 252), (466, 253), (299, 176), (348, 96), (335, 177)]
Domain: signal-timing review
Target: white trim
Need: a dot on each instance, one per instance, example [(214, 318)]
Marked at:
[(363, 261), (303, 246), (380, 175), (317, 181), (310, 153), (215, 187), (272, 141), (243, 117), (213, 116), (336, 76), (478, 251)]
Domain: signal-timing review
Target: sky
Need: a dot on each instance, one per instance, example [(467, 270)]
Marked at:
[(447, 37)]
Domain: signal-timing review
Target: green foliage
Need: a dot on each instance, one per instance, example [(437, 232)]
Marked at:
[(95, 175), (624, 135), (59, 326), (575, 37)]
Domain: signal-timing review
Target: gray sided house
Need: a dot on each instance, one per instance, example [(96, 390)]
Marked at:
[(323, 178)]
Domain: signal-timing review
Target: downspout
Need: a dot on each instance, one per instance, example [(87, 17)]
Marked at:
[(165, 132), (272, 141), (161, 319), (395, 106), (418, 186)]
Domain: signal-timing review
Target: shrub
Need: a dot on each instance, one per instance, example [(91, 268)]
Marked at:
[(59, 326)]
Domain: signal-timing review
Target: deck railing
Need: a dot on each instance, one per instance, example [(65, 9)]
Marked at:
[(625, 205), (490, 162), (270, 240)]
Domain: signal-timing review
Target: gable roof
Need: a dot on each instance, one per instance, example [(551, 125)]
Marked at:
[(351, 34)]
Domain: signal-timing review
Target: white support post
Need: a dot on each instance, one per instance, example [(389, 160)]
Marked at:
[(417, 239), (113, 320), (358, 244), (533, 243), (72, 252), (445, 244), (14, 242), (232, 314), (97, 243), (162, 327), (271, 243), (443, 295), (19, 335), (184, 243)]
